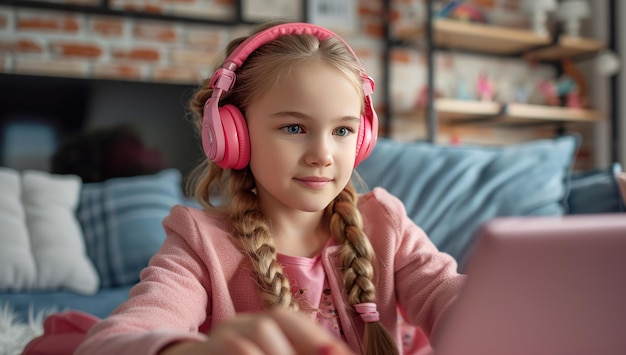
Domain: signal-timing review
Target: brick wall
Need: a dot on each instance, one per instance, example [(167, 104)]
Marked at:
[(75, 44), (51, 42)]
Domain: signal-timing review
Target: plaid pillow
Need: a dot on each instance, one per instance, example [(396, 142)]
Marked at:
[(121, 221)]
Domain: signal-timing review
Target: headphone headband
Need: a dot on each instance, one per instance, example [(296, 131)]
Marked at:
[(254, 42)]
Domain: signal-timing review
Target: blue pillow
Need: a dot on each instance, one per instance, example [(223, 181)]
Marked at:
[(121, 221), (595, 191), (450, 191)]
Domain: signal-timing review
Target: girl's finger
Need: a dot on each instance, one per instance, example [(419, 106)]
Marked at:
[(268, 335), (233, 343), (306, 336), (250, 334)]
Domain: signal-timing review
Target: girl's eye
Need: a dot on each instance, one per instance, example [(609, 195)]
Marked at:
[(292, 129), (343, 131)]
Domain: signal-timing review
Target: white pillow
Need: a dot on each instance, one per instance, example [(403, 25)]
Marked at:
[(17, 266), (57, 242)]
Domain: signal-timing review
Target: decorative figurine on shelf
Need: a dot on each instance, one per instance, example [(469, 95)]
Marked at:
[(573, 99), (468, 13), (549, 91), (421, 101), (463, 91), (577, 95), (538, 10), (571, 13), (447, 9), (565, 85), (458, 10), (522, 93), (568, 92), (484, 86)]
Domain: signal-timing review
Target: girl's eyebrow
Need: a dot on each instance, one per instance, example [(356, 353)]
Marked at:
[(303, 116)]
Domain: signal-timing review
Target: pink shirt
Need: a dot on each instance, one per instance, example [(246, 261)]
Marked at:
[(199, 279), (310, 284)]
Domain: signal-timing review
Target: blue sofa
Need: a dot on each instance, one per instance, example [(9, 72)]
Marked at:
[(448, 190)]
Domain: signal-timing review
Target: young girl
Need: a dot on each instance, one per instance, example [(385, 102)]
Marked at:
[(284, 121)]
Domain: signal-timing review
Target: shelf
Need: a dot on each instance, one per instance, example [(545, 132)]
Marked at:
[(567, 47), (484, 38), (454, 111), (477, 37), (525, 113)]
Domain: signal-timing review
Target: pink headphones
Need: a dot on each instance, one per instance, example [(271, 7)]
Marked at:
[(224, 132)]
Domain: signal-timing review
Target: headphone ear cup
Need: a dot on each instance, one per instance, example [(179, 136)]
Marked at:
[(237, 150), (368, 132), (243, 139), (211, 143), (363, 140)]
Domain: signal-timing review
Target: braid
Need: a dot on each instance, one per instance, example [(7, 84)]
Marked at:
[(356, 253), (357, 256), (252, 233)]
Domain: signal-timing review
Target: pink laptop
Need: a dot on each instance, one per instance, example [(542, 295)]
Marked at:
[(542, 286)]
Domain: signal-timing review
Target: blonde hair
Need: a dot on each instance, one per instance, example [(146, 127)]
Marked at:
[(264, 68)]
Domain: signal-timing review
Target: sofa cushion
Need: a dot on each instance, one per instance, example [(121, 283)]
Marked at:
[(595, 191), (450, 191), (30, 304), (621, 182), (121, 220), (56, 239), (17, 265)]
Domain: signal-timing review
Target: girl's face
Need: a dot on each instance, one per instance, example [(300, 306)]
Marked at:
[(303, 136)]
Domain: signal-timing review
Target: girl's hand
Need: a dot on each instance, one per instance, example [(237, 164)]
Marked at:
[(274, 332)]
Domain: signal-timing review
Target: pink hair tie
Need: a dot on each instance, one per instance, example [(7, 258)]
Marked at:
[(368, 312)]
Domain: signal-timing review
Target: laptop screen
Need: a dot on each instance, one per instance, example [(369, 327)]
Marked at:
[(542, 285)]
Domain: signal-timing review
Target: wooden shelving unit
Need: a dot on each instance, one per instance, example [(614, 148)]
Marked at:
[(567, 47), (494, 40), (524, 113), (478, 37), (484, 38), (452, 111), (503, 41)]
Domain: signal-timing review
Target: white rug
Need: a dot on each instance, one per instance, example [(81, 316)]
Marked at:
[(14, 335)]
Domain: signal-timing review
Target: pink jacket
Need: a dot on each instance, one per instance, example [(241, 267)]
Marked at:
[(199, 279)]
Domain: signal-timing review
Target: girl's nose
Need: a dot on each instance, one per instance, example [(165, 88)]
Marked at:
[(319, 152)]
